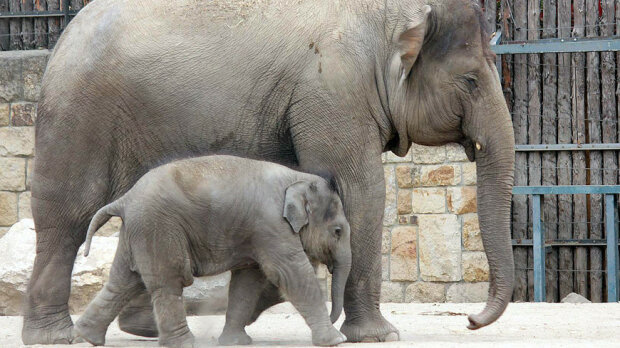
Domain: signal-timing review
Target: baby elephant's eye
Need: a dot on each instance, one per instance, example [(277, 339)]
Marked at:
[(338, 232)]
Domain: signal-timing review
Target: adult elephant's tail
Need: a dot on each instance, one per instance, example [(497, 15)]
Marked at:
[(101, 217)]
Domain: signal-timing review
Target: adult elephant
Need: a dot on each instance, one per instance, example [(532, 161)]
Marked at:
[(320, 84)]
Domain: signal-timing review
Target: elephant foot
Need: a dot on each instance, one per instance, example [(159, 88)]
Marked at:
[(184, 341), (93, 334), (329, 337), (370, 330), (234, 338), (60, 331), (139, 321)]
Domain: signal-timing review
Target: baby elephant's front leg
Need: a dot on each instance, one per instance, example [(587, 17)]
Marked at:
[(295, 277)]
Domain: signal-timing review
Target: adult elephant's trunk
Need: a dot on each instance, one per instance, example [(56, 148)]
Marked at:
[(342, 267), (494, 151)]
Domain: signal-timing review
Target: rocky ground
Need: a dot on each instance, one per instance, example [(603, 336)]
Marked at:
[(421, 325)]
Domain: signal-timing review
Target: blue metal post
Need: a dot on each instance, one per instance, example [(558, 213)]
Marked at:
[(539, 250), (612, 248)]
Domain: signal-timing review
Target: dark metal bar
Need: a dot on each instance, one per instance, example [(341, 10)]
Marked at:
[(32, 14), (559, 45), (568, 147), (539, 250), (611, 230), (566, 189), (562, 242), (65, 10)]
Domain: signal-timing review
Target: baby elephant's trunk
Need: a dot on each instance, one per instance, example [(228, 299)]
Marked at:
[(101, 217), (342, 267)]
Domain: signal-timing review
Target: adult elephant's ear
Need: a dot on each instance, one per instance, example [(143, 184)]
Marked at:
[(411, 40), (295, 205)]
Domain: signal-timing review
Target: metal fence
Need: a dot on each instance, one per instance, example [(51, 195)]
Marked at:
[(31, 24), (559, 70)]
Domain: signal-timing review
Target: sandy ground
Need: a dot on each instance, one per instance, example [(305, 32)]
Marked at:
[(421, 325)]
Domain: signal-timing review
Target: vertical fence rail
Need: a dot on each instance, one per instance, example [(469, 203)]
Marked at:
[(539, 249), (612, 248)]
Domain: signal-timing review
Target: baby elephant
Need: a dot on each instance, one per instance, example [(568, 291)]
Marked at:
[(207, 215)]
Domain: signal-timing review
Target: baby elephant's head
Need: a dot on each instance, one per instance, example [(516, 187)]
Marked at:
[(314, 210)]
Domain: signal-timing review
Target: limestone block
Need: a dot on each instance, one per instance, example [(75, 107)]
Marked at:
[(469, 173), (390, 157), (23, 114), (12, 174), (16, 141), (427, 154), (472, 239), (404, 202), (467, 292), (385, 267), (4, 114), (33, 68), (439, 175), (455, 153), (425, 292), (404, 256), (440, 247), (404, 176), (462, 200), (8, 208), (11, 87), (391, 292), (475, 267), (428, 200), (23, 207), (386, 236), (29, 171), (389, 214), (3, 231)]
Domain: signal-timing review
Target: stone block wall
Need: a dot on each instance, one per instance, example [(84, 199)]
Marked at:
[(431, 247), (432, 250)]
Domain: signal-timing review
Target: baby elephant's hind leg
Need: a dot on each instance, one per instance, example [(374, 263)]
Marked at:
[(120, 288), (164, 264)]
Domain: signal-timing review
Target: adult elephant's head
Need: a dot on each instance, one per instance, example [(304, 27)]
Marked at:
[(444, 87)]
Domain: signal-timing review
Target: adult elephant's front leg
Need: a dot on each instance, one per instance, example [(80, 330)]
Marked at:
[(355, 160), (364, 202)]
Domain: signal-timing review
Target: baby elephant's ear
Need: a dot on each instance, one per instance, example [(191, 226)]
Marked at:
[(295, 205)]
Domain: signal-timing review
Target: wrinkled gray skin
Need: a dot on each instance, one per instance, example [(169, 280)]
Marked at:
[(319, 84), (207, 215)]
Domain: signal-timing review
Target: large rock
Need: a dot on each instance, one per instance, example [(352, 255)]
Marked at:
[(206, 295), (575, 298)]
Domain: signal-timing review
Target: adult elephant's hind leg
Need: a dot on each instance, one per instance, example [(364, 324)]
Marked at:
[(60, 231)]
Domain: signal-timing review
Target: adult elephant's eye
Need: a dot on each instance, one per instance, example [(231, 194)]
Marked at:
[(471, 82)]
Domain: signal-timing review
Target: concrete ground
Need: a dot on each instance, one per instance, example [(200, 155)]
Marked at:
[(421, 325)]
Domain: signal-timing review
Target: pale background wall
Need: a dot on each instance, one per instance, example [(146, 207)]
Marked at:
[(431, 247)]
